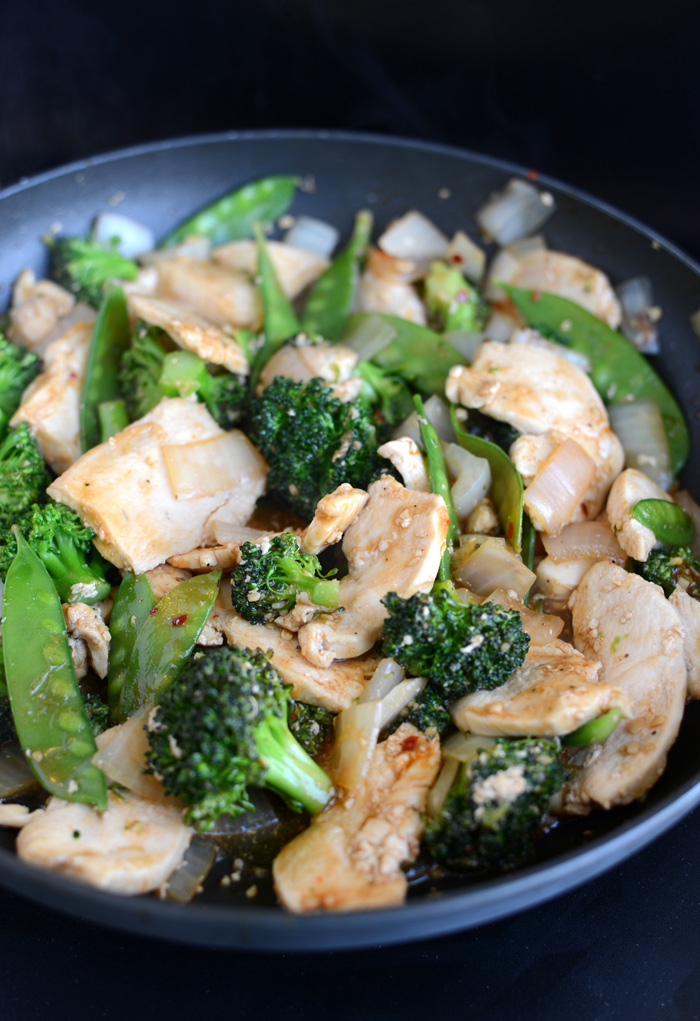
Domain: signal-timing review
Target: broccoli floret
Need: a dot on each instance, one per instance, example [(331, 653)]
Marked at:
[(459, 647), (311, 725), (669, 566), (221, 727), (269, 577), (384, 394), (452, 302), (500, 433), (23, 475), (64, 544), (97, 713), (184, 373), (84, 267), (495, 806), (142, 364), (312, 442), (17, 369)]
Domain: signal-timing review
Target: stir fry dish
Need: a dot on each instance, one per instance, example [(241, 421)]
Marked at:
[(329, 559)]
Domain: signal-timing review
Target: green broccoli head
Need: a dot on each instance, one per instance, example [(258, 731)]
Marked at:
[(387, 397), (221, 727), (271, 574), (184, 373), (97, 713), (495, 806), (311, 725), (142, 364), (84, 267), (23, 475), (458, 647), (452, 302), (669, 566), (312, 442), (17, 370)]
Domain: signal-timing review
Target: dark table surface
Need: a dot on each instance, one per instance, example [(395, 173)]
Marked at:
[(603, 96)]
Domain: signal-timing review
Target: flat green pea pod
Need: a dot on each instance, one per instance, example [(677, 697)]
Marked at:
[(110, 339), (669, 522), (232, 217), (132, 606), (47, 706), (113, 417), (595, 731), (439, 483), (618, 370), (280, 321), (506, 481), (327, 308), (165, 641), (419, 355)]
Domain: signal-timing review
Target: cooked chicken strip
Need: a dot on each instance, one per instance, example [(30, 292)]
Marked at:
[(628, 624), (405, 455), (395, 545), (295, 268), (165, 578), (385, 287), (334, 514), (627, 490), (84, 623), (483, 520), (350, 857), (553, 692), (549, 400), (51, 403), (131, 848), (223, 296), (302, 362), (190, 331), (688, 609), (36, 310), (207, 558)]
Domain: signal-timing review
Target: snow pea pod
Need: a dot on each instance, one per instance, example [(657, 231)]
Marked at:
[(618, 369), (327, 308), (110, 339), (439, 483), (232, 217), (132, 605), (669, 522), (506, 481), (280, 319), (419, 355), (595, 731), (46, 703), (166, 639), (113, 417)]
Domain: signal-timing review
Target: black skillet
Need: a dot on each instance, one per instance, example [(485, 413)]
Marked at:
[(162, 184)]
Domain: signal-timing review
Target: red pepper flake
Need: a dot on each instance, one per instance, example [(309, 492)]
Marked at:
[(154, 610), (456, 257), (535, 296), (533, 175), (510, 529), (409, 743), (179, 621)]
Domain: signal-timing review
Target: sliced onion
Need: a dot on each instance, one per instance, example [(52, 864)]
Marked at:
[(640, 429), (582, 540), (371, 335), (464, 747), (466, 343), (16, 774), (194, 246), (313, 235), (356, 733), (467, 256), (559, 487), (212, 466), (185, 881), (488, 565), (500, 327), (542, 628), (472, 475), (415, 237), (133, 237), (441, 787), (685, 500), (639, 314), (526, 246), (516, 211), (438, 414), (121, 755), (387, 675), (226, 534), (398, 698)]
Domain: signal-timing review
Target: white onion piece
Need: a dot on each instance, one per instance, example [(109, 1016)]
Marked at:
[(583, 540), (640, 429), (387, 675), (212, 466), (441, 787), (356, 733), (519, 209), (369, 337), (16, 774), (121, 755), (466, 256), (488, 566), (466, 343), (559, 487), (542, 628), (528, 245), (398, 698), (500, 327), (438, 414), (133, 237), (185, 881), (472, 540), (472, 478), (464, 747), (227, 534), (685, 500), (639, 314), (313, 235), (415, 237), (194, 246)]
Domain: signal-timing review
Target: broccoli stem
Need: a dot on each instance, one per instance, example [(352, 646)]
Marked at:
[(288, 769), (439, 483), (322, 591), (68, 568)]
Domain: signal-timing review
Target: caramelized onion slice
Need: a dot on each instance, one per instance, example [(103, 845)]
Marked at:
[(584, 540), (559, 487), (212, 466), (542, 628), (356, 733), (121, 755), (488, 565)]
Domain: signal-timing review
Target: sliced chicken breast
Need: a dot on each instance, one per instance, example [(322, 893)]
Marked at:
[(223, 296), (627, 490)]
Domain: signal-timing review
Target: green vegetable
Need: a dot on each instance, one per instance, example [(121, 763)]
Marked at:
[(595, 731), (23, 475), (232, 217), (47, 706), (97, 713), (275, 574), (184, 373), (452, 302), (132, 606), (327, 308), (221, 727), (506, 481), (110, 340), (479, 828), (280, 321), (669, 522), (311, 725), (17, 370), (141, 366), (669, 566), (386, 396), (439, 483), (113, 417), (421, 357), (618, 369), (84, 267)]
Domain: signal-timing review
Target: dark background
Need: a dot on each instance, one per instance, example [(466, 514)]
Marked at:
[(602, 95)]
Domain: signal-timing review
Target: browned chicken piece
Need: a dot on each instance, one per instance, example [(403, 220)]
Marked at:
[(628, 624), (395, 545), (190, 331), (688, 609), (385, 287), (295, 268), (165, 578), (548, 400), (627, 490), (350, 857), (555, 691), (122, 490), (334, 514), (405, 455), (483, 520), (207, 558), (36, 310), (331, 362), (85, 624), (130, 848), (223, 296), (51, 403)]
